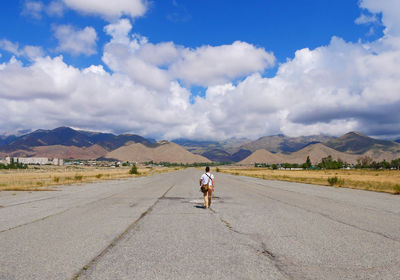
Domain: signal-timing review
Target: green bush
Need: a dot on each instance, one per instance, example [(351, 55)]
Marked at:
[(333, 180), (133, 169), (397, 189), (78, 177)]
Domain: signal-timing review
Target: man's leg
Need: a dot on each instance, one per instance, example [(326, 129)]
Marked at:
[(205, 199), (209, 192)]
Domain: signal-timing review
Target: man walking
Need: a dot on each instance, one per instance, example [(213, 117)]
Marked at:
[(207, 186)]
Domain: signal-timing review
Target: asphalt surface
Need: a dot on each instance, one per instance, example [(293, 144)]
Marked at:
[(155, 228)]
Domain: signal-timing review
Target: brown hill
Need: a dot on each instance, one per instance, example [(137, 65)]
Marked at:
[(164, 152), (318, 151), (262, 156), (315, 151), (357, 143), (60, 151), (378, 155), (282, 143)]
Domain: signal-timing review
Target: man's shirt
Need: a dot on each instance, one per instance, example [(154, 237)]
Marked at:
[(205, 180)]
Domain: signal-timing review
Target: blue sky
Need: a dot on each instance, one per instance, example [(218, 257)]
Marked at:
[(208, 69)]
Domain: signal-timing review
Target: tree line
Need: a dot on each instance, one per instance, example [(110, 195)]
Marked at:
[(329, 163)]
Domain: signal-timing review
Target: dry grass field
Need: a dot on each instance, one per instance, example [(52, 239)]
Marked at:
[(373, 180), (44, 178)]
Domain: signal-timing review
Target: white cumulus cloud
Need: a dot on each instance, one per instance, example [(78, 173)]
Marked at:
[(30, 52), (208, 65), (157, 64), (109, 9), (76, 41)]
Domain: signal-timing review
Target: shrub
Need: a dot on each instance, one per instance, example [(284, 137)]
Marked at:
[(133, 169), (78, 177), (98, 176), (218, 170), (397, 189), (333, 180), (56, 179)]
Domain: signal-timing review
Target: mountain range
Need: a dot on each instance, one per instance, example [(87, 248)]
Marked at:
[(281, 146), (349, 148), (69, 137), (68, 143)]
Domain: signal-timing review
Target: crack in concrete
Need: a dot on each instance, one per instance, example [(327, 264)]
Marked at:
[(330, 218), (58, 213), (267, 252), (35, 221), (325, 198), (32, 201), (119, 237), (173, 198), (264, 250)]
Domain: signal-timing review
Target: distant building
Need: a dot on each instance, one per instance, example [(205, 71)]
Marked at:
[(35, 160), (58, 161), (32, 160)]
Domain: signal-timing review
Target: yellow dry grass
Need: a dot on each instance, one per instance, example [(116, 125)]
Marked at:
[(44, 178), (381, 180)]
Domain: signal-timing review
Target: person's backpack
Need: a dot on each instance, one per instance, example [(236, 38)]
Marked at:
[(204, 188)]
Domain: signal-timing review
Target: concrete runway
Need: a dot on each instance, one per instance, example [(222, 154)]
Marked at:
[(155, 228)]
